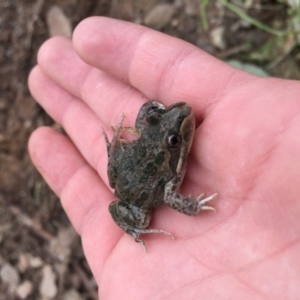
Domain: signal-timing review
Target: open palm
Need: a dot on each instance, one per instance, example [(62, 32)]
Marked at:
[(246, 148)]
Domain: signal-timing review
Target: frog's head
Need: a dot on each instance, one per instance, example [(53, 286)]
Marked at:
[(178, 123), (174, 128)]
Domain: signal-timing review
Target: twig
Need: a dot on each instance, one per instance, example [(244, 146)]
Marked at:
[(203, 6), (233, 51), (28, 222), (253, 21), (86, 282), (280, 58), (30, 27), (259, 6)]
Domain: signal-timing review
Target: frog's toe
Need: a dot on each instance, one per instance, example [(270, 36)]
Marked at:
[(134, 233), (168, 233), (207, 207), (137, 232), (202, 202), (139, 240), (151, 230)]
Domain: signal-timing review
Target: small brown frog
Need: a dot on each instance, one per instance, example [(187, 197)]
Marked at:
[(148, 172)]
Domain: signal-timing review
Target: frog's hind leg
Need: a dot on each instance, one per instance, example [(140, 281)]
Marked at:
[(133, 220)]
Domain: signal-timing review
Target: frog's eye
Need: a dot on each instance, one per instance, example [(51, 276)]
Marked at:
[(174, 140)]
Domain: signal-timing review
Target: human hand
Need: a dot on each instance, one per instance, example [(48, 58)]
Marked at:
[(246, 149)]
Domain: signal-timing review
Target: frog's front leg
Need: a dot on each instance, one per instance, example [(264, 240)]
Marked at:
[(186, 205), (114, 144), (129, 129), (133, 220)]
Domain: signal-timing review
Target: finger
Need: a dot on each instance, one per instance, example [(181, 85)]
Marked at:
[(84, 196), (158, 65), (105, 95), (81, 124)]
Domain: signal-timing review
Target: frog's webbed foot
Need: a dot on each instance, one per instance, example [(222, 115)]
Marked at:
[(133, 220), (187, 205), (137, 232), (201, 202)]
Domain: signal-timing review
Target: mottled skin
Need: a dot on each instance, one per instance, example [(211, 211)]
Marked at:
[(148, 171)]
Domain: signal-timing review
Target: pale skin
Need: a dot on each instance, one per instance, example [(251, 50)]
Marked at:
[(246, 149)]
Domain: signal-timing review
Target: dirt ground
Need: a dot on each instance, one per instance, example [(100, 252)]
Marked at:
[(37, 242)]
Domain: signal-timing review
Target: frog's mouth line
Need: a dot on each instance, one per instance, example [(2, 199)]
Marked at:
[(187, 128)]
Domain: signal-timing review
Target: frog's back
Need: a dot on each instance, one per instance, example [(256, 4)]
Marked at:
[(142, 175)]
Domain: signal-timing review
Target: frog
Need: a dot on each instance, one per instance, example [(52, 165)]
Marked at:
[(148, 171)]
